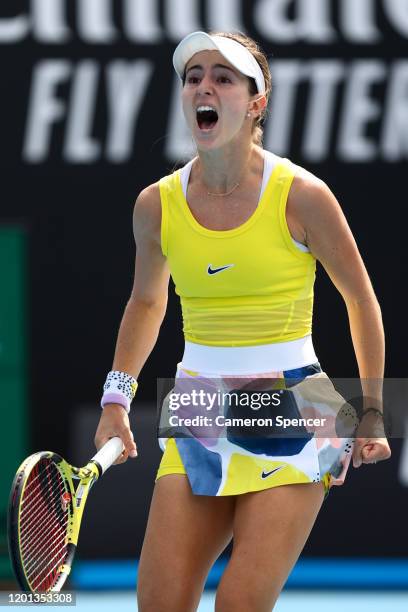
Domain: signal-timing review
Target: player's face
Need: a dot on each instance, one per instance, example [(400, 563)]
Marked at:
[(215, 100)]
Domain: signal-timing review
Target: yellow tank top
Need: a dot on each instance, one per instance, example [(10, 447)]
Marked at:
[(246, 286)]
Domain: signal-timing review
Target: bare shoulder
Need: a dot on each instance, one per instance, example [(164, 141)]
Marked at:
[(311, 203), (306, 187), (147, 212), (329, 236), (323, 222)]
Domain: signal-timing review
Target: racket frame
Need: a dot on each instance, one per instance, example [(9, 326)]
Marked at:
[(86, 475)]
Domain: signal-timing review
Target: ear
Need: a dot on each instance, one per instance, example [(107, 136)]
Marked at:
[(257, 105)]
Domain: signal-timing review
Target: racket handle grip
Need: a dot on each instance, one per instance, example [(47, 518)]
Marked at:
[(108, 453)]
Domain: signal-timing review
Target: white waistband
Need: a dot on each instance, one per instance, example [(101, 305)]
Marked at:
[(249, 359)]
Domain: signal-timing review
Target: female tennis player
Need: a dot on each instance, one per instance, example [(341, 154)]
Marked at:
[(240, 230)]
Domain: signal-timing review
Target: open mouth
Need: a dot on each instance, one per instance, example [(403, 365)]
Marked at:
[(206, 117)]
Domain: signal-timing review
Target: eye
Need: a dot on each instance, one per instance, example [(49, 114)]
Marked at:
[(192, 79), (224, 79)]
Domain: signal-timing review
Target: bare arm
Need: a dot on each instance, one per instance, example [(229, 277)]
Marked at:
[(143, 314), (330, 239), (146, 307)]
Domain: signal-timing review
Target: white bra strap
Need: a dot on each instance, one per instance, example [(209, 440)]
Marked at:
[(185, 175)]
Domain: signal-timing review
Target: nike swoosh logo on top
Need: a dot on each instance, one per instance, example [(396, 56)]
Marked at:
[(211, 270), (266, 474)]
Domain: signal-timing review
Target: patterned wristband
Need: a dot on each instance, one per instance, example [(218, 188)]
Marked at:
[(119, 388)]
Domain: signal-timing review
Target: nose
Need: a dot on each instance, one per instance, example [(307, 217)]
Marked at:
[(205, 86)]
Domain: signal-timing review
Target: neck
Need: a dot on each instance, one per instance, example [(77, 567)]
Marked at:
[(222, 170)]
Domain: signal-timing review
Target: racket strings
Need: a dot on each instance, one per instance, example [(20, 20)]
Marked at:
[(38, 529), (30, 523), (41, 566), (31, 488), (34, 506), (42, 552), (54, 536), (43, 525)]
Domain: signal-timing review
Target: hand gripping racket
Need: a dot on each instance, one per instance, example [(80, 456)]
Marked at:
[(45, 513)]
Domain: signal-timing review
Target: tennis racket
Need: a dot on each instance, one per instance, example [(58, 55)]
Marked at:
[(45, 513)]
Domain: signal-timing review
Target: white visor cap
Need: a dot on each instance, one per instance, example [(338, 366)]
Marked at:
[(235, 53)]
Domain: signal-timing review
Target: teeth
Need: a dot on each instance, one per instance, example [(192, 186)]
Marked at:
[(201, 109)]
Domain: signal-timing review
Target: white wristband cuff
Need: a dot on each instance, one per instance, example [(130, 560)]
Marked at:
[(119, 388)]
